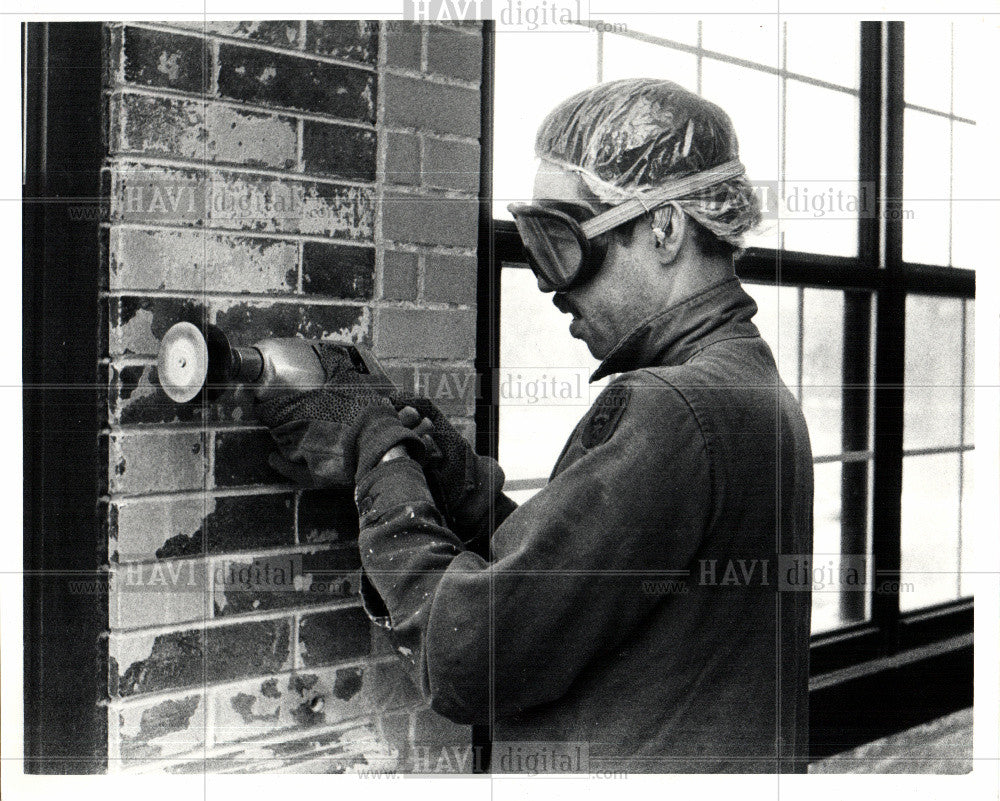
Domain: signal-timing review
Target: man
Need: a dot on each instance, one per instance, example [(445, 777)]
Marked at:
[(633, 604)]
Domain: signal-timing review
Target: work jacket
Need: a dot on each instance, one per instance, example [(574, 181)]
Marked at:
[(639, 612)]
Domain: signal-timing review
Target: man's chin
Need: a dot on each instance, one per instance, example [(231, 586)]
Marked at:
[(578, 330)]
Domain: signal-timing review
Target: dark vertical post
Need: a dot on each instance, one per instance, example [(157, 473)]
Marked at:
[(65, 603), (487, 314), (857, 318), (889, 362)]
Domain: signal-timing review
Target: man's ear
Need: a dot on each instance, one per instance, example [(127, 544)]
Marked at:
[(669, 228)]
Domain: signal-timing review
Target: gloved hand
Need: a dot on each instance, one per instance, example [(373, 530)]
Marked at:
[(465, 483), (328, 436)]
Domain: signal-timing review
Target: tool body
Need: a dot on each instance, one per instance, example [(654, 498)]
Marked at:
[(199, 363)]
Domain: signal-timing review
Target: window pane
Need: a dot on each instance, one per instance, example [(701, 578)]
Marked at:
[(777, 319), (821, 171), (753, 38), (822, 377), (825, 48), (969, 45), (630, 58), (929, 558), (926, 188), (535, 70), (751, 99), (972, 221), (676, 27), (967, 528), (933, 377), (832, 605), (535, 346), (969, 379), (927, 63)]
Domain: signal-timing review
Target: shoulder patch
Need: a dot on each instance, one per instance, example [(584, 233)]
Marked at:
[(603, 418)]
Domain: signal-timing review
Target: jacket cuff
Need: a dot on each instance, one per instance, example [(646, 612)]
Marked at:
[(389, 486)]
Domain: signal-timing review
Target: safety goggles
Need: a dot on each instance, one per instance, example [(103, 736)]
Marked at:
[(564, 241)]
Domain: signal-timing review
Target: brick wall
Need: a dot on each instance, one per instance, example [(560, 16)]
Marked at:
[(275, 178)]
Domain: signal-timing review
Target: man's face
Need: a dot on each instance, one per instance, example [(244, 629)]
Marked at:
[(613, 301)]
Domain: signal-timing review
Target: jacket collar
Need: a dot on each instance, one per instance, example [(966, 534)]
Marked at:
[(674, 334)]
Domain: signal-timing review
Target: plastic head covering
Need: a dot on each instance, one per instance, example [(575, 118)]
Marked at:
[(625, 137)]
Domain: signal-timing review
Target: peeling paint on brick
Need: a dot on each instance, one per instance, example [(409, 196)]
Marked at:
[(148, 462), (347, 39), (162, 729), (154, 58), (332, 636), (252, 321), (137, 324), (192, 129), (194, 657)]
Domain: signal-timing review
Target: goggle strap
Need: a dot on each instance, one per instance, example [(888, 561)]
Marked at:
[(674, 190)]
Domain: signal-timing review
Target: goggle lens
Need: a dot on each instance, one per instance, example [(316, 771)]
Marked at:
[(553, 246)]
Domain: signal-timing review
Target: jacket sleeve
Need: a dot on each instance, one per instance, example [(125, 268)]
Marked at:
[(566, 579)]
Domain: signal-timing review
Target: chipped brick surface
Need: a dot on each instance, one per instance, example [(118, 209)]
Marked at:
[(174, 61), (191, 129), (201, 261), (280, 581), (338, 150), (287, 81), (147, 462), (190, 658), (354, 40), (177, 527), (338, 271), (160, 729), (249, 322)]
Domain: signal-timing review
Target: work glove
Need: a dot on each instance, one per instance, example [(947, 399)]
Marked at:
[(464, 483), (330, 435)]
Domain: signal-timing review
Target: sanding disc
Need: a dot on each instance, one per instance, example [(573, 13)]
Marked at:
[(182, 363)]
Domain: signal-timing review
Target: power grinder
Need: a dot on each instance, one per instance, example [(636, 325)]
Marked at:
[(199, 363)]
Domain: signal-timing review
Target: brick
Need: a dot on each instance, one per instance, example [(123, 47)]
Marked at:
[(159, 593), (452, 389), (194, 658), (333, 636), (140, 463), (413, 333), (159, 195), (402, 45), (402, 159), (451, 165), (277, 33), (248, 322), (160, 729), (174, 61), (137, 324), (252, 203), (338, 271), (287, 81), (355, 40), (450, 279), (430, 220), (399, 275), (189, 129), (339, 150), (327, 515), (416, 103), (456, 54), (281, 581), (163, 529), (201, 261), (241, 458)]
